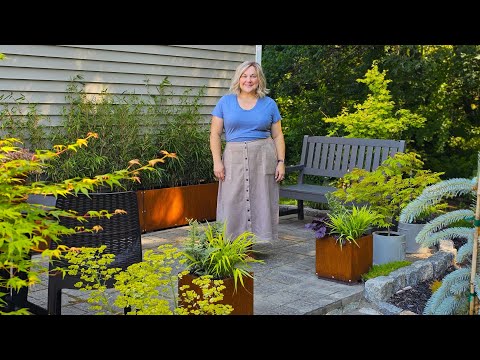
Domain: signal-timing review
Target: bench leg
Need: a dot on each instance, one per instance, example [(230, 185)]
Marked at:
[(300, 209)]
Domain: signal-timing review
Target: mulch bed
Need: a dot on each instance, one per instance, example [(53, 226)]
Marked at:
[(415, 298)]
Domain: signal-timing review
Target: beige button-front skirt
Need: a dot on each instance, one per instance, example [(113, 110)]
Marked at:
[(248, 197)]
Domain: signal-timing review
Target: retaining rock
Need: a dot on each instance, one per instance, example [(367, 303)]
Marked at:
[(378, 290)]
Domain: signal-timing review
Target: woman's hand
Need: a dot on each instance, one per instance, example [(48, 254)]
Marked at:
[(219, 171), (280, 171)]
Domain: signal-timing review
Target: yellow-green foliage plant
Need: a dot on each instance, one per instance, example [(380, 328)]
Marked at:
[(144, 288), (208, 302), (376, 117), (351, 224), (24, 227), (209, 251), (389, 188)]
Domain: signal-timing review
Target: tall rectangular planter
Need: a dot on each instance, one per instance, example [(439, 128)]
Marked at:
[(241, 300), (170, 207), (346, 264)]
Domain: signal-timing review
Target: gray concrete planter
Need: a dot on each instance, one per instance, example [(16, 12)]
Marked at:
[(411, 231), (388, 247)]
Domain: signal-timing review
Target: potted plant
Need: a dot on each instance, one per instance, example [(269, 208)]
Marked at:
[(387, 189), (209, 251), (343, 247)]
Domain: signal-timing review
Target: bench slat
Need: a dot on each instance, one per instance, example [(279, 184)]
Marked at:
[(346, 156), (353, 157), (368, 159), (323, 163), (360, 157)]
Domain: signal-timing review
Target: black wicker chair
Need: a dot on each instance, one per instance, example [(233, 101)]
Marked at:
[(121, 234)]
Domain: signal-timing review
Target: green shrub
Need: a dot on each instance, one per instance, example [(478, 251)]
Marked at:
[(388, 188), (377, 117)]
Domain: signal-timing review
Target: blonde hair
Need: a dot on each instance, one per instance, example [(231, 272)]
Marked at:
[(262, 82)]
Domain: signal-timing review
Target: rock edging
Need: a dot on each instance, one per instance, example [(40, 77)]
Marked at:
[(378, 290)]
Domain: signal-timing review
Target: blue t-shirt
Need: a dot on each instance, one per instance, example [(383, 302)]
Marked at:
[(246, 125)]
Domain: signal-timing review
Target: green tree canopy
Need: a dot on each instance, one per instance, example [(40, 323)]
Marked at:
[(376, 117)]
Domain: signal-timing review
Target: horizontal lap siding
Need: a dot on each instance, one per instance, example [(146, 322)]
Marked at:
[(41, 72)]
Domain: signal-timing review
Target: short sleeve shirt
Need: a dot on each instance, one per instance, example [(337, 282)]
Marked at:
[(246, 125)]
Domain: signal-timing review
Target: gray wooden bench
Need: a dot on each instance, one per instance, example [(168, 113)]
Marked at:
[(333, 157)]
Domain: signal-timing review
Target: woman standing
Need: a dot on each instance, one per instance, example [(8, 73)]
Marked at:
[(252, 164)]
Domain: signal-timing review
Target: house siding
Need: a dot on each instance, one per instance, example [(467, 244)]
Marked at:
[(41, 73)]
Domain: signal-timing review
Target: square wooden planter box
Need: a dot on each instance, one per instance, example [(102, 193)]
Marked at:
[(241, 300), (346, 264)]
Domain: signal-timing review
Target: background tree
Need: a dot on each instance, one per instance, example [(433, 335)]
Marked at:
[(310, 82), (438, 82), (377, 117)]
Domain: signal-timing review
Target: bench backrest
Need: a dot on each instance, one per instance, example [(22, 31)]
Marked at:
[(335, 156)]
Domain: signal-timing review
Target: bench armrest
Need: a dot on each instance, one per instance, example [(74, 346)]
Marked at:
[(292, 168)]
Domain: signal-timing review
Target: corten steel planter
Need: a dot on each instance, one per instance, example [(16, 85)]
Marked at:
[(241, 300), (170, 207), (346, 264)]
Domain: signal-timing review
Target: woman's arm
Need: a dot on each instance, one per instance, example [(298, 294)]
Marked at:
[(277, 136), (216, 129)]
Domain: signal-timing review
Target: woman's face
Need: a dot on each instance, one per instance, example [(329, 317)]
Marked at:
[(249, 80)]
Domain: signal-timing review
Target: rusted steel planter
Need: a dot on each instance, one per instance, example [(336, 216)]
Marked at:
[(170, 207), (346, 264), (241, 300)]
